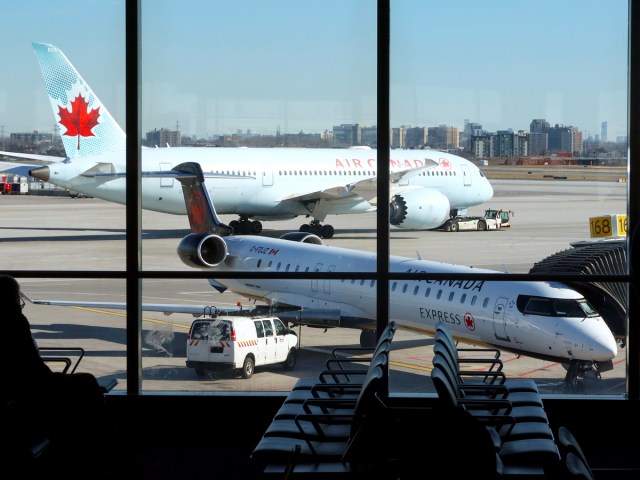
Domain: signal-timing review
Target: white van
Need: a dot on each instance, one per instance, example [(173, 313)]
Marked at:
[(240, 343)]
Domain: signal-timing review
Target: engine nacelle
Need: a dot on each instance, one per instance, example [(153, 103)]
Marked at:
[(202, 250), (419, 208), (302, 237)]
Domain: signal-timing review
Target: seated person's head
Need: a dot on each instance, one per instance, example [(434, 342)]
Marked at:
[(9, 292)]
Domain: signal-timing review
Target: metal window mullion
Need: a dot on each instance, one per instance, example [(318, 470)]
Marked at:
[(133, 197)]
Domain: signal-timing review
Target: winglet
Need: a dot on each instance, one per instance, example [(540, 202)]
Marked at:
[(202, 214)]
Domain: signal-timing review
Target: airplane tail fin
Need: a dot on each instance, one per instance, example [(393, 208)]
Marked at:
[(86, 126), (202, 214)]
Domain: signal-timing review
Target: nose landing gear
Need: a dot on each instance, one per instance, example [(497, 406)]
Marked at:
[(579, 371)]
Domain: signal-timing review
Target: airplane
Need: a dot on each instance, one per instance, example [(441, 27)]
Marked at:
[(257, 184), (544, 320)]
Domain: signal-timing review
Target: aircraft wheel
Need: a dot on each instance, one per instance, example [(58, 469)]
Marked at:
[(305, 227), (235, 226), (256, 227), (455, 227), (482, 225), (368, 338), (290, 362), (248, 367), (327, 231)]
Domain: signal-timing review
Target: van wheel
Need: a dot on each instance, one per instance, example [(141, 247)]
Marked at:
[(290, 362), (248, 367), (201, 371)]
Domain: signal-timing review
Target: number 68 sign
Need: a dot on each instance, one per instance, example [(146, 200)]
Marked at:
[(608, 226)]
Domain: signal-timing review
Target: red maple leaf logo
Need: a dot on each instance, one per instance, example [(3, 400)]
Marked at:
[(197, 212), (445, 163), (79, 121), (469, 321)]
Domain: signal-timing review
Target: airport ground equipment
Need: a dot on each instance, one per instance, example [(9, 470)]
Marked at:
[(240, 343), (504, 215), (459, 224)]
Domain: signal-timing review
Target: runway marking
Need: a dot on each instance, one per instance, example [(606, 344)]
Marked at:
[(146, 319)]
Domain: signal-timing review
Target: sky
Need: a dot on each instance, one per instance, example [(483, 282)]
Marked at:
[(217, 67)]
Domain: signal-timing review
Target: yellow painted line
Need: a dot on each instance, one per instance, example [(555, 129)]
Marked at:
[(411, 366), (146, 319)]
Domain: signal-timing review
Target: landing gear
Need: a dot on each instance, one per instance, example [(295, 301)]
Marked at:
[(368, 338), (323, 231), (577, 372), (244, 226)]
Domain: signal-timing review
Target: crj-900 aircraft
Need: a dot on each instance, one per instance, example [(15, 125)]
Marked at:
[(254, 183), (543, 320)]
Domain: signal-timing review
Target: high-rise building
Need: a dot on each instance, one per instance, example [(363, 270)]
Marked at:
[(603, 132)]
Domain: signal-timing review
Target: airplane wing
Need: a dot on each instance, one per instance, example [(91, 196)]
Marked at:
[(366, 188), (166, 308), (31, 156)]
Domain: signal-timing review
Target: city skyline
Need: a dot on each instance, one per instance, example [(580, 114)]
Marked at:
[(216, 68)]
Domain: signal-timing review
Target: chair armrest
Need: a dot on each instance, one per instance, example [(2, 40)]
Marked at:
[(495, 351), (336, 388), (329, 403), (65, 360), (338, 419), (338, 363), (500, 377), (107, 384), (337, 350), (77, 351)]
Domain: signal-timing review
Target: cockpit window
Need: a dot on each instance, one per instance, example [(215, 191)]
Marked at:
[(555, 307), (587, 308)]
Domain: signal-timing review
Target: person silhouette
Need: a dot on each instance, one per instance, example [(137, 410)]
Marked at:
[(69, 408)]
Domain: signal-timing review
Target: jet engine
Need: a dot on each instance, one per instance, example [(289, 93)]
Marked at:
[(202, 250), (302, 237), (419, 208)]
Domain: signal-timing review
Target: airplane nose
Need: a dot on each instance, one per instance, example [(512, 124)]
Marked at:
[(609, 347), (488, 190), (42, 173), (603, 343)]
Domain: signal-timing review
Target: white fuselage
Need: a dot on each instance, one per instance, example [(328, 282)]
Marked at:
[(482, 312), (271, 183)]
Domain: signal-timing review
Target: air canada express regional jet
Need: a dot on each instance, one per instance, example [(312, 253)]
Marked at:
[(545, 320), (427, 186)]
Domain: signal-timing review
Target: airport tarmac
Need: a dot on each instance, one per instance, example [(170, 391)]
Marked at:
[(63, 233)]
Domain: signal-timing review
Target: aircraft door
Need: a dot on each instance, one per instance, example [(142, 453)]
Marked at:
[(499, 319), (466, 176), (166, 181), (267, 175), (327, 282), (314, 281)]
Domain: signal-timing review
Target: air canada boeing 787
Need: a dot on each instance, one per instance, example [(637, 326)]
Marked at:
[(545, 320), (257, 184)]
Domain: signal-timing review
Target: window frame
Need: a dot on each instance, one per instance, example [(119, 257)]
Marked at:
[(134, 274)]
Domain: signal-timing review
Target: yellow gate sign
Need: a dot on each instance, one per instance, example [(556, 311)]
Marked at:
[(608, 226)]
